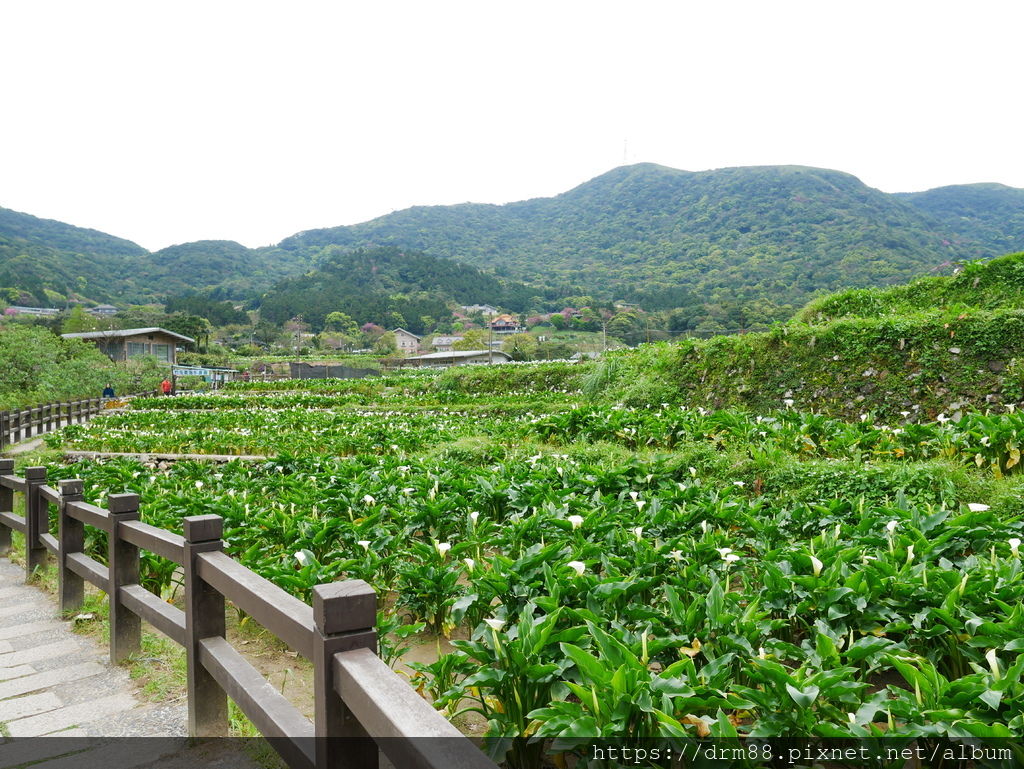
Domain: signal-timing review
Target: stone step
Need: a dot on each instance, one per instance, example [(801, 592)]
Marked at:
[(75, 715), (32, 705), (30, 628), (22, 670), (34, 683), (44, 652)]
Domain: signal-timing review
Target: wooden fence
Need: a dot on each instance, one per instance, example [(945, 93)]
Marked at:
[(361, 706), (19, 424)]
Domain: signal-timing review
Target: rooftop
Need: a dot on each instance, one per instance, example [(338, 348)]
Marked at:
[(114, 334)]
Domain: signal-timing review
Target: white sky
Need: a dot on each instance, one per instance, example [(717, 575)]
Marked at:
[(170, 122)]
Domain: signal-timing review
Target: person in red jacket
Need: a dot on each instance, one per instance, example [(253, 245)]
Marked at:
[(165, 386)]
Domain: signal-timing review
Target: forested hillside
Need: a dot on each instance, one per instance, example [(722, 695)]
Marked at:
[(667, 238), (989, 216), (765, 238), (370, 284)]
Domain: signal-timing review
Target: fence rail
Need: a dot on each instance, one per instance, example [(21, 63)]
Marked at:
[(356, 695), (19, 424)]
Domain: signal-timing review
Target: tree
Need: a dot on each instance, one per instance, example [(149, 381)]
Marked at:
[(79, 321), (476, 339), (343, 322), (385, 344), (520, 346)]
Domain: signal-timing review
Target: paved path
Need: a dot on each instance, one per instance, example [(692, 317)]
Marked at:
[(56, 683)]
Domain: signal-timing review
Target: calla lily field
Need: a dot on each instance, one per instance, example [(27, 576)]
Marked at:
[(619, 572)]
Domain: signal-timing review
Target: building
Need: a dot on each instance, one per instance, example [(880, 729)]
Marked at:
[(458, 358), (129, 343), (103, 310), (483, 309), (506, 324), (406, 342), (16, 310), (445, 343)]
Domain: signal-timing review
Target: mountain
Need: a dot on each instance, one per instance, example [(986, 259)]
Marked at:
[(372, 284), (989, 215), (773, 236), (45, 262), (661, 236), (230, 268)]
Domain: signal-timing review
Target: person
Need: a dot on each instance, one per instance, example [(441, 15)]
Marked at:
[(165, 386), (108, 391)]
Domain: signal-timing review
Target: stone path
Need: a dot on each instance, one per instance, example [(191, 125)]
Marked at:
[(58, 684)]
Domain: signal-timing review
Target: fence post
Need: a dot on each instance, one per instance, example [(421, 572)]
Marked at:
[(17, 426), (123, 562), (344, 616), (204, 617), (6, 505), (36, 520), (71, 536), (5, 429)]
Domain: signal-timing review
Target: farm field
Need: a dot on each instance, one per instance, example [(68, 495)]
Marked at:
[(620, 572)]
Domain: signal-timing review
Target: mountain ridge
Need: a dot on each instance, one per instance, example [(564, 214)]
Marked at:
[(647, 233)]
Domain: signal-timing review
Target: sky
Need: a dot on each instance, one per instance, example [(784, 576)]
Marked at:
[(166, 123)]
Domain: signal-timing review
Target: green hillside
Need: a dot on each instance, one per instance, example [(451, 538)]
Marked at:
[(938, 345), (665, 238), (772, 236), (229, 267), (370, 284), (989, 216)]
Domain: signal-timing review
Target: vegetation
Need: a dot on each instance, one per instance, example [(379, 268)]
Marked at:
[(617, 572)]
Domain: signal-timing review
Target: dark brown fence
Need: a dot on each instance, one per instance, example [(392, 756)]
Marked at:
[(19, 424), (356, 695)]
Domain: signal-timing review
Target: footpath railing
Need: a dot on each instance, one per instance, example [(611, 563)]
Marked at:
[(361, 706), (19, 424)]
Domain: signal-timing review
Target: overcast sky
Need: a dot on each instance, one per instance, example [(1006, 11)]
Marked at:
[(170, 122)]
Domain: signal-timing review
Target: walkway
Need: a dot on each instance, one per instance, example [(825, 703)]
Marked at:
[(57, 683)]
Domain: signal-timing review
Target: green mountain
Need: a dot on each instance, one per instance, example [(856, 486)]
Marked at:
[(661, 237), (372, 284), (772, 236), (45, 262), (228, 268), (989, 217)]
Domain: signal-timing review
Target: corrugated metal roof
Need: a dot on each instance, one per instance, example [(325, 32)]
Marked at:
[(114, 334)]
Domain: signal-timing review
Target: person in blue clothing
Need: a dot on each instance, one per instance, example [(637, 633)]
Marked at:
[(108, 391)]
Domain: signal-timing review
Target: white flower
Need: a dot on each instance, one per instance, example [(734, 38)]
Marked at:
[(1015, 547), (731, 558), (704, 527), (942, 419), (910, 553), (199, 484), (495, 624), (739, 484), (578, 566), (443, 548), (723, 551), (675, 555), (891, 526), (638, 532), (474, 517), (575, 520), (788, 402), (693, 472), (904, 414), (302, 558), (976, 507), (993, 663), (633, 495), (470, 563), (368, 500), (816, 566), (365, 544), (639, 504)]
